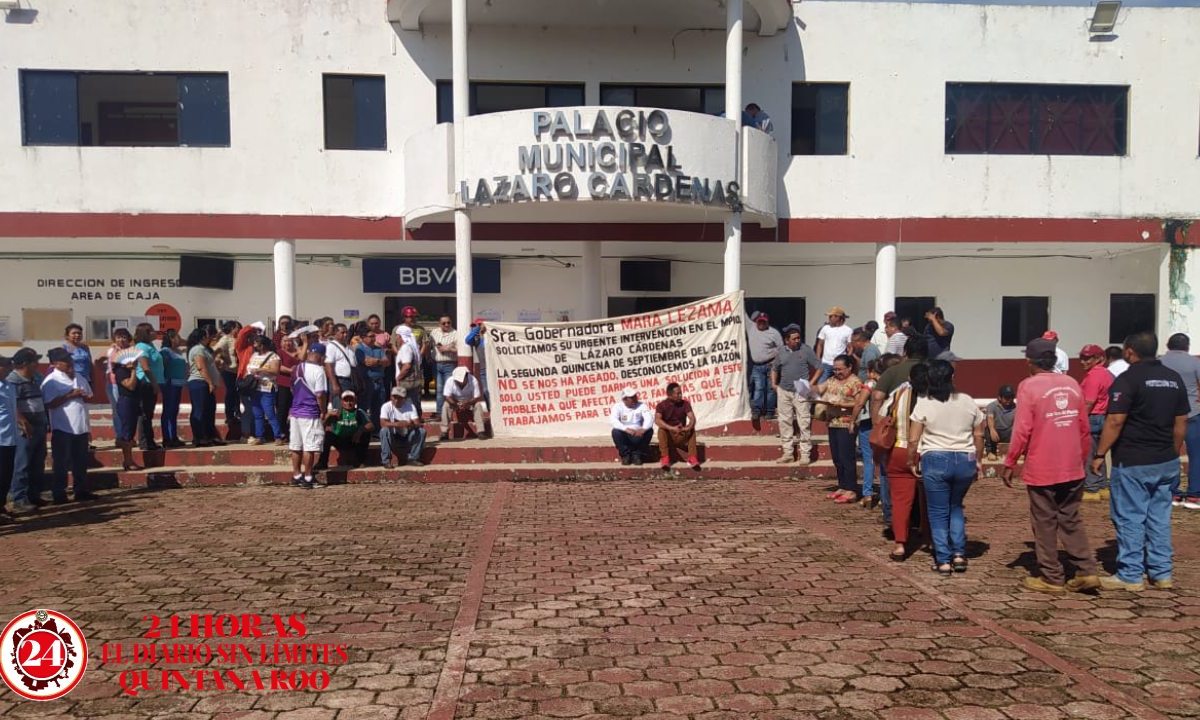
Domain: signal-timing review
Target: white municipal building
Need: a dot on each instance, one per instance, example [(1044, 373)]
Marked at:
[(1024, 166)]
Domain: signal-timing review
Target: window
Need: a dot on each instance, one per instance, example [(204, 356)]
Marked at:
[(1010, 119), (1023, 319), (355, 113), (1129, 313), (493, 97), (621, 306), (819, 118), (124, 109), (783, 311), (707, 99), (913, 309)]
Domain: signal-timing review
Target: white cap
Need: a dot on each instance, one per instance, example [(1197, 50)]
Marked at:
[(262, 326), (349, 394), (459, 374), (628, 393)]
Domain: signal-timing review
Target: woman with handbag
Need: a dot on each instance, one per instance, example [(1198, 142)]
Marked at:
[(259, 384), (844, 395)]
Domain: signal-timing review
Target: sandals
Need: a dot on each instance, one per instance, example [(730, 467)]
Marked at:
[(845, 499), (945, 569), (129, 467), (959, 564), (898, 556)]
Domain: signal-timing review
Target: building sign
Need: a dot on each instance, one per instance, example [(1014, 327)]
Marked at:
[(562, 379), (603, 154), (422, 276), (110, 288)]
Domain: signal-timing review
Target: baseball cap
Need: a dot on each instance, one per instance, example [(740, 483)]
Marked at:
[(409, 311), (25, 355), (628, 393), (1050, 335), (477, 321), (399, 392), (459, 374), (1091, 351), (1007, 391), (837, 310), (349, 394), (58, 355), (762, 316), (262, 326), (318, 348), (889, 315), (1040, 348)]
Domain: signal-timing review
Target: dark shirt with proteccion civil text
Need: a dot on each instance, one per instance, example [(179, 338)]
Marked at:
[(1150, 395)]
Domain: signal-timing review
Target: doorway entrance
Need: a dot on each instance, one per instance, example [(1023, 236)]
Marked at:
[(430, 307)]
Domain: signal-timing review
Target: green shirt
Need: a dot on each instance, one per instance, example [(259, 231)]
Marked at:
[(346, 423)]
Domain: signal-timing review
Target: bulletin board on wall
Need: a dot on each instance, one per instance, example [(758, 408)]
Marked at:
[(44, 323)]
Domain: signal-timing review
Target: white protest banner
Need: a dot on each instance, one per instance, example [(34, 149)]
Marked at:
[(562, 379)]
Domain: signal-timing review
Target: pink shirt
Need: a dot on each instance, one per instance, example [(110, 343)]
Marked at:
[(1050, 430), (1095, 387)]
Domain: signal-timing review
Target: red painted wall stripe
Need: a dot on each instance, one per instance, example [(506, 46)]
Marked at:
[(796, 230)]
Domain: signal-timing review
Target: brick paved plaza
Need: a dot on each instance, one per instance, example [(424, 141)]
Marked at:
[(664, 598)]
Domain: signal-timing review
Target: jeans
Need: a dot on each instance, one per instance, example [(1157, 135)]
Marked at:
[(1192, 441), (885, 494), (841, 445), (826, 373), (203, 403), (148, 394), (762, 395), (379, 395), (233, 407), (1140, 507), (947, 477), (867, 453), (29, 465), (410, 441), (264, 409), (627, 445), (170, 410), (444, 370), (1091, 481), (70, 453), (283, 409), (113, 395)]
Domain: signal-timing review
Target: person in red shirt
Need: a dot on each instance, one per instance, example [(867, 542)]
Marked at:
[(676, 427), (1051, 431), (1096, 382)]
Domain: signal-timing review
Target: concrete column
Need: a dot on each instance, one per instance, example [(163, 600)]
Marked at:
[(284, 262), (885, 279), (591, 287), (462, 219), (733, 110), (1179, 285)]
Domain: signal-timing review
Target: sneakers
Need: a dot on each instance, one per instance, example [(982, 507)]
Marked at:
[(1079, 583), (254, 441), (1112, 582), (1191, 502), (304, 483), (694, 462), (804, 459), (637, 459), (1177, 501), (665, 465), (1037, 584), (444, 437), (625, 460), (992, 457), (1091, 496), (785, 460), (21, 507), (1162, 584)]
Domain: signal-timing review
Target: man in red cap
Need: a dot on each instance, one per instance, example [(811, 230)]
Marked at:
[(1096, 383), (1062, 361)]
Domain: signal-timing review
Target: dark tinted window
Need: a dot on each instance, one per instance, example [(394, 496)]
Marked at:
[(819, 118), (646, 275), (491, 97), (355, 112), (1129, 313), (125, 109), (1015, 119), (707, 99), (619, 306), (783, 311), (1023, 319), (914, 309)]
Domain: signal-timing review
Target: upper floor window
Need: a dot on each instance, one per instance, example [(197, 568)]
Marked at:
[(1012, 119), (355, 112), (707, 99), (124, 109), (819, 118), (494, 97)]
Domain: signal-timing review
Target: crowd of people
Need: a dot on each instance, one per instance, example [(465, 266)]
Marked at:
[(888, 397), (313, 389)]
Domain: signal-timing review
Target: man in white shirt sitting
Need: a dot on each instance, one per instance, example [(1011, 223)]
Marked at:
[(65, 394), (463, 398), (632, 422), (401, 433)]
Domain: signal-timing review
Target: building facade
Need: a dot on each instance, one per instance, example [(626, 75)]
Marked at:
[(1001, 161)]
